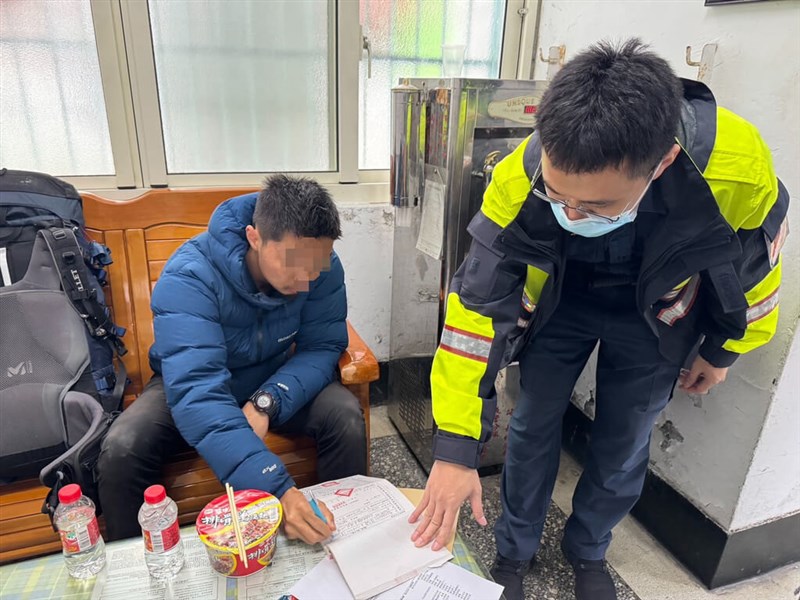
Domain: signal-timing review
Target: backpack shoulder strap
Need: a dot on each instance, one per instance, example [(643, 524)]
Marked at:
[(75, 281), (76, 284)]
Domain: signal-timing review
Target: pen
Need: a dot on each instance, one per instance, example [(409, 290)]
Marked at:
[(317, 511)]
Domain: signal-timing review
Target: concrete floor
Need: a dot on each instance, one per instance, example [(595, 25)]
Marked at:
[(643, 569)]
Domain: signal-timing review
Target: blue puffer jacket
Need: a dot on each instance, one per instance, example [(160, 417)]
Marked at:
[(218, 339)]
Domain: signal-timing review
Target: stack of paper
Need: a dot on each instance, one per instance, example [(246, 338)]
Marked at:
[(447, 582), (372, 545)]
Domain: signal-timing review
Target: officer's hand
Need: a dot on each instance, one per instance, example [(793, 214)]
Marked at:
[(258, 420), (701, 377), (448, 486), (299, 519)]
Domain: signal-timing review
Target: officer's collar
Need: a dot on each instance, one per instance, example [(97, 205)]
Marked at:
[(653, 202)]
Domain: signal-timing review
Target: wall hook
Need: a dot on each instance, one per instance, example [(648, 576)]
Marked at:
[(554, 60), (705, 64)]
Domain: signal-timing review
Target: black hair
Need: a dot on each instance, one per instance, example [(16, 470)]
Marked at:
[(295, 205), (612, 106)]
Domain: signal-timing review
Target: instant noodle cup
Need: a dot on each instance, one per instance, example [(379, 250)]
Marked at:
[(259, 518)]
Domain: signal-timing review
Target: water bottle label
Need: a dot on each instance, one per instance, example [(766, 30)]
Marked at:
[(161, 541), (83, 538)]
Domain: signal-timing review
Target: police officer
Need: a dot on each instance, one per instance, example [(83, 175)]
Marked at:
[(640, 216)]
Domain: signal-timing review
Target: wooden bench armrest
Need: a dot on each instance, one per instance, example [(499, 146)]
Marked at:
[(357, 364)]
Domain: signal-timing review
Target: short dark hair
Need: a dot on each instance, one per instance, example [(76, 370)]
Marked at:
[(612, 106), (295, 205)]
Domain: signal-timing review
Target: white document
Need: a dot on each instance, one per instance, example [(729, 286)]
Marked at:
[(126, 577), (359, 503), (323, 581), (293, 559), (431, 229), (448, 582), (372, 544), (383, 557)]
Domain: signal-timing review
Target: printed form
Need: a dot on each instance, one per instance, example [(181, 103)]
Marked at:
[(359, 503)]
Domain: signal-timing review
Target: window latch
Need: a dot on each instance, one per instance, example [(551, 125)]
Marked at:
[(366, 45)]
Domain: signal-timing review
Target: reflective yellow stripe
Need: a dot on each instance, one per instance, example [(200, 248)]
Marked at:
[(509, 188), (456, 378), (762, 315), (678, 287), (534, 283), (740, 172)]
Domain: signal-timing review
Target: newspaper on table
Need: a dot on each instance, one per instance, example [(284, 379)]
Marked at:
[(126, 577)]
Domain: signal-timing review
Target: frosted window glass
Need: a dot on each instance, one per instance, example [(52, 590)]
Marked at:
[(244, 86), (51, 96), (407, 38)]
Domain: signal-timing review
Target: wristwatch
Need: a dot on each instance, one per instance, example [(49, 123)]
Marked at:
[(265, 403)]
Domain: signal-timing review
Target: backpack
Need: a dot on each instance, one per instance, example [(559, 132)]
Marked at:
[(59, 389)]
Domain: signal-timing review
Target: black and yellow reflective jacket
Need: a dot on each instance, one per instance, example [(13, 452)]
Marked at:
[(710, 267)]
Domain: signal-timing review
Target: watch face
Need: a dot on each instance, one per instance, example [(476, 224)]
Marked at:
[(263, 401)]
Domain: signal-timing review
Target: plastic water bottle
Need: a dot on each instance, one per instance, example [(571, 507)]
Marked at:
[(163, 549), (83, 546)]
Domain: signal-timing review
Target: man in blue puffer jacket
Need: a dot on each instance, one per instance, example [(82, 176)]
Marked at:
[(228, 308)]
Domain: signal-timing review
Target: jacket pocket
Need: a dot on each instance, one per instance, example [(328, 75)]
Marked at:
[(487, 277)]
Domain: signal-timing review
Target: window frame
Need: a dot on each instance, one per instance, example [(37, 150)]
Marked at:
[(127, 67)]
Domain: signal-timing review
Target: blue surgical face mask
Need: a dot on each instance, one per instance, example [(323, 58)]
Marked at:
[(595, 227), (588, 227)]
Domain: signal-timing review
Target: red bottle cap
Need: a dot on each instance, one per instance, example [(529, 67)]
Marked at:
[(155, 494), (70, 493)]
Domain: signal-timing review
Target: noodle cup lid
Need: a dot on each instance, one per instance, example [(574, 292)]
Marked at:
[(260, 516)]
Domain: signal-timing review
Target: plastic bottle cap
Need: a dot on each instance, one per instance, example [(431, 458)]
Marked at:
[(155, 494), (70, 493)]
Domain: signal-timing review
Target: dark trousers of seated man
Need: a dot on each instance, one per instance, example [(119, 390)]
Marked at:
[(145, 436)]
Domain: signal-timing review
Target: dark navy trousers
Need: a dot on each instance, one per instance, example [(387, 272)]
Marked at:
[(634, 383)]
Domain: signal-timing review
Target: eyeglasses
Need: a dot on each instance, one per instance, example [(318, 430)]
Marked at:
[(589, 214)]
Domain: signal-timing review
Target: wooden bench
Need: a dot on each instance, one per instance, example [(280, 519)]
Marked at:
[(142, 234)]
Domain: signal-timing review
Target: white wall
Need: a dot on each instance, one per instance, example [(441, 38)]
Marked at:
[(706, 449), (366, 252), (773, 483)]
